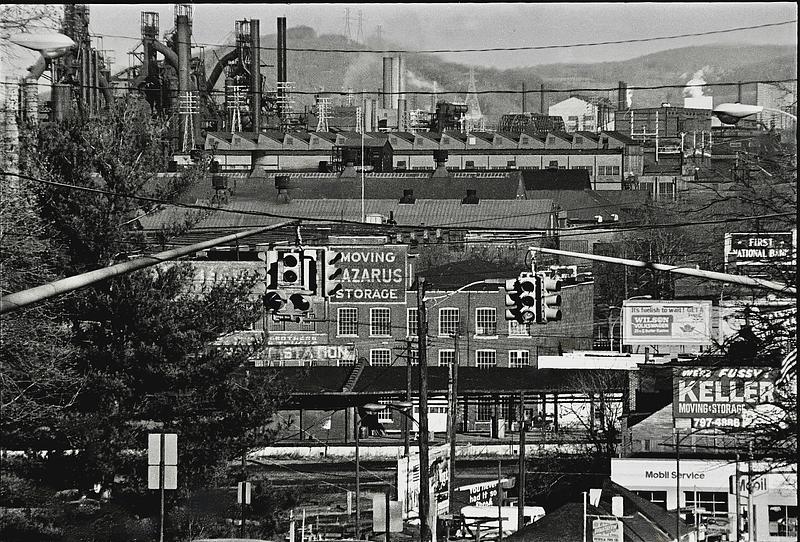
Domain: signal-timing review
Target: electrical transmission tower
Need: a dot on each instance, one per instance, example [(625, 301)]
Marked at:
[(474, 117), (360, 33), (323, 113), (347, 32)]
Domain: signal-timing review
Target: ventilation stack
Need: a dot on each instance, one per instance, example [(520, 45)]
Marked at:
[(387, 97), (281, 57), (255, 75), (622, 96)]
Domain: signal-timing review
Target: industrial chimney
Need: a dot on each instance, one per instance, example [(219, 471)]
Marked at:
[(622, 96)]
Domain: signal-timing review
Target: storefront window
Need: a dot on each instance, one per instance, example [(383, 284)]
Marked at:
[(782, 520), (711, 503), (655, 497)]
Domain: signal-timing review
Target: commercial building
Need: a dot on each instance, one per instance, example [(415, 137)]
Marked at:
[(590, 113)]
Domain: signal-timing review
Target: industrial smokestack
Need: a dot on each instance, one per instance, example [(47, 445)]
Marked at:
[(386, 96), (402, 109), (184, 53), (255, 74), (281, 50), (396, 84), (622, 96), (369, 111)]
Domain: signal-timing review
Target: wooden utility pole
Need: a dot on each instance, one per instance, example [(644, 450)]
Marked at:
[(406, 420), (424, 474), (453, 421), (521, 475)]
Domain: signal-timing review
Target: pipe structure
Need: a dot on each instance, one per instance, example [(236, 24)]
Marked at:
[(216, 71), (702, 273), (255, 75), (281, 53), (30, 296), (386, 96), (183, 45)]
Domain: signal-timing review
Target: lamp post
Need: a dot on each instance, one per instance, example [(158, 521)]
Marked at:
[(403, 407), (731, 113)]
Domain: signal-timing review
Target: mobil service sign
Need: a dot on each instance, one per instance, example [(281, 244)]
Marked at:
[(371, 274)]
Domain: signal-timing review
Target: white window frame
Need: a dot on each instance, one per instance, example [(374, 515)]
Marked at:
[(519, 354), (339, 312), (485, 351), (374, 351), (411, 331), (375, 323), (458, 321), (445, 351), (477, 323), (514, 327), (385, 415)]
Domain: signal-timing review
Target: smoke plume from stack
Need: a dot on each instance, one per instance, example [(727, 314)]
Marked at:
[(694, 87)]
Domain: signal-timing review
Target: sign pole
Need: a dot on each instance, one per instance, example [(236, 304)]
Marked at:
[(499, 502), (750, 514), (161, 483), (521, 476), (678, 482), (738, 497)]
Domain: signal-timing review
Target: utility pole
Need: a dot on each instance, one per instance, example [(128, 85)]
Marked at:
[(678, 483), (424, 474), (521, 475), (453, 419), (750, 516), (499, 501), (406, 421)]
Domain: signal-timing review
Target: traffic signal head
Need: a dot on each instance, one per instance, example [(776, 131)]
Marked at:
[(273, 301), (290, 269), (527, 298), (547, 300), (512, 299), (333, 273), (300, 302)]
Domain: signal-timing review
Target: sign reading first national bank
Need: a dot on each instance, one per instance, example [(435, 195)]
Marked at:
[(372, 274), (721, 393)]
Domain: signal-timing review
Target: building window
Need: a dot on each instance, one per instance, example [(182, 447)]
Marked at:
[(412, 322), (782, 520), (518, 358), (471, 140), (485, 410), (485, 359), (385, 415), (486, 322), (553, 163), (578, 140), (393, 140), (525, 140), (380, 322), (347, 320), (469, 163), (655, 497), (551, 140), (401, 164), (413, 356), (289, 141), (448, 322), (713, 502), (446, 357), (445, 141), (345, 363), (306, 325), (515, 329), (511, 163), (380, 357), (615, 170)]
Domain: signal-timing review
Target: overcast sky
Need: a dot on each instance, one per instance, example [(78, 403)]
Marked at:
[(473, 25)]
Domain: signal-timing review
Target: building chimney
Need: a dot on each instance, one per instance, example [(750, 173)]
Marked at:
[(255, 73), (622, 96), (283, 184), (387, 97), (408, 196), (471, 198), (349, 171), (440, 158)]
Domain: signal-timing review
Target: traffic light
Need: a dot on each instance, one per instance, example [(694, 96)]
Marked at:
[(548, 302), (332, 279), (527, 298), (291, 280), (512, 300)]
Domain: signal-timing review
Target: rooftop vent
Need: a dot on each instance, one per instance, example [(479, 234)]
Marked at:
[(408, 196), (283, 184), (440, 158), (471, 199), (349, 170)]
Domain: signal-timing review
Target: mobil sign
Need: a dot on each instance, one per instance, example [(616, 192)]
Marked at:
[(702, 392), (666, 322), (371, 274)]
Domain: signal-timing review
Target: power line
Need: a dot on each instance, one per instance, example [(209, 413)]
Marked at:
[(461, 92), (497, 49)]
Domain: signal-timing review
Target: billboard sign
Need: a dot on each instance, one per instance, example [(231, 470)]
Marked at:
[(479, 494), (606, 530), (372, 274), (299, 354), (408, 480), (666, 322), (760, 249), (714, 397)]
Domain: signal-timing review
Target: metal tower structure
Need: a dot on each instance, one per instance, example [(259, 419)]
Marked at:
[(360, 33), (323, 113), (347, 32), (474, 117)]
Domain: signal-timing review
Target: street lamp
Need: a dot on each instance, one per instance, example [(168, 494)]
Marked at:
[(731, 113), (372, 408), (611, 326)]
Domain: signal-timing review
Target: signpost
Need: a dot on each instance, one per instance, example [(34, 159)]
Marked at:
[(162, 466), (666, 322), (606, 530)]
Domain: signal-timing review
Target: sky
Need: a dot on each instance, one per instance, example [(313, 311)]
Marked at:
[(474, 25)]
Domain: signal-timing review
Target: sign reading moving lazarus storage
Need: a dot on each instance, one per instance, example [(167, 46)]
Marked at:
[(710, 393), (760, 249), (371, 274), (666, 322)]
